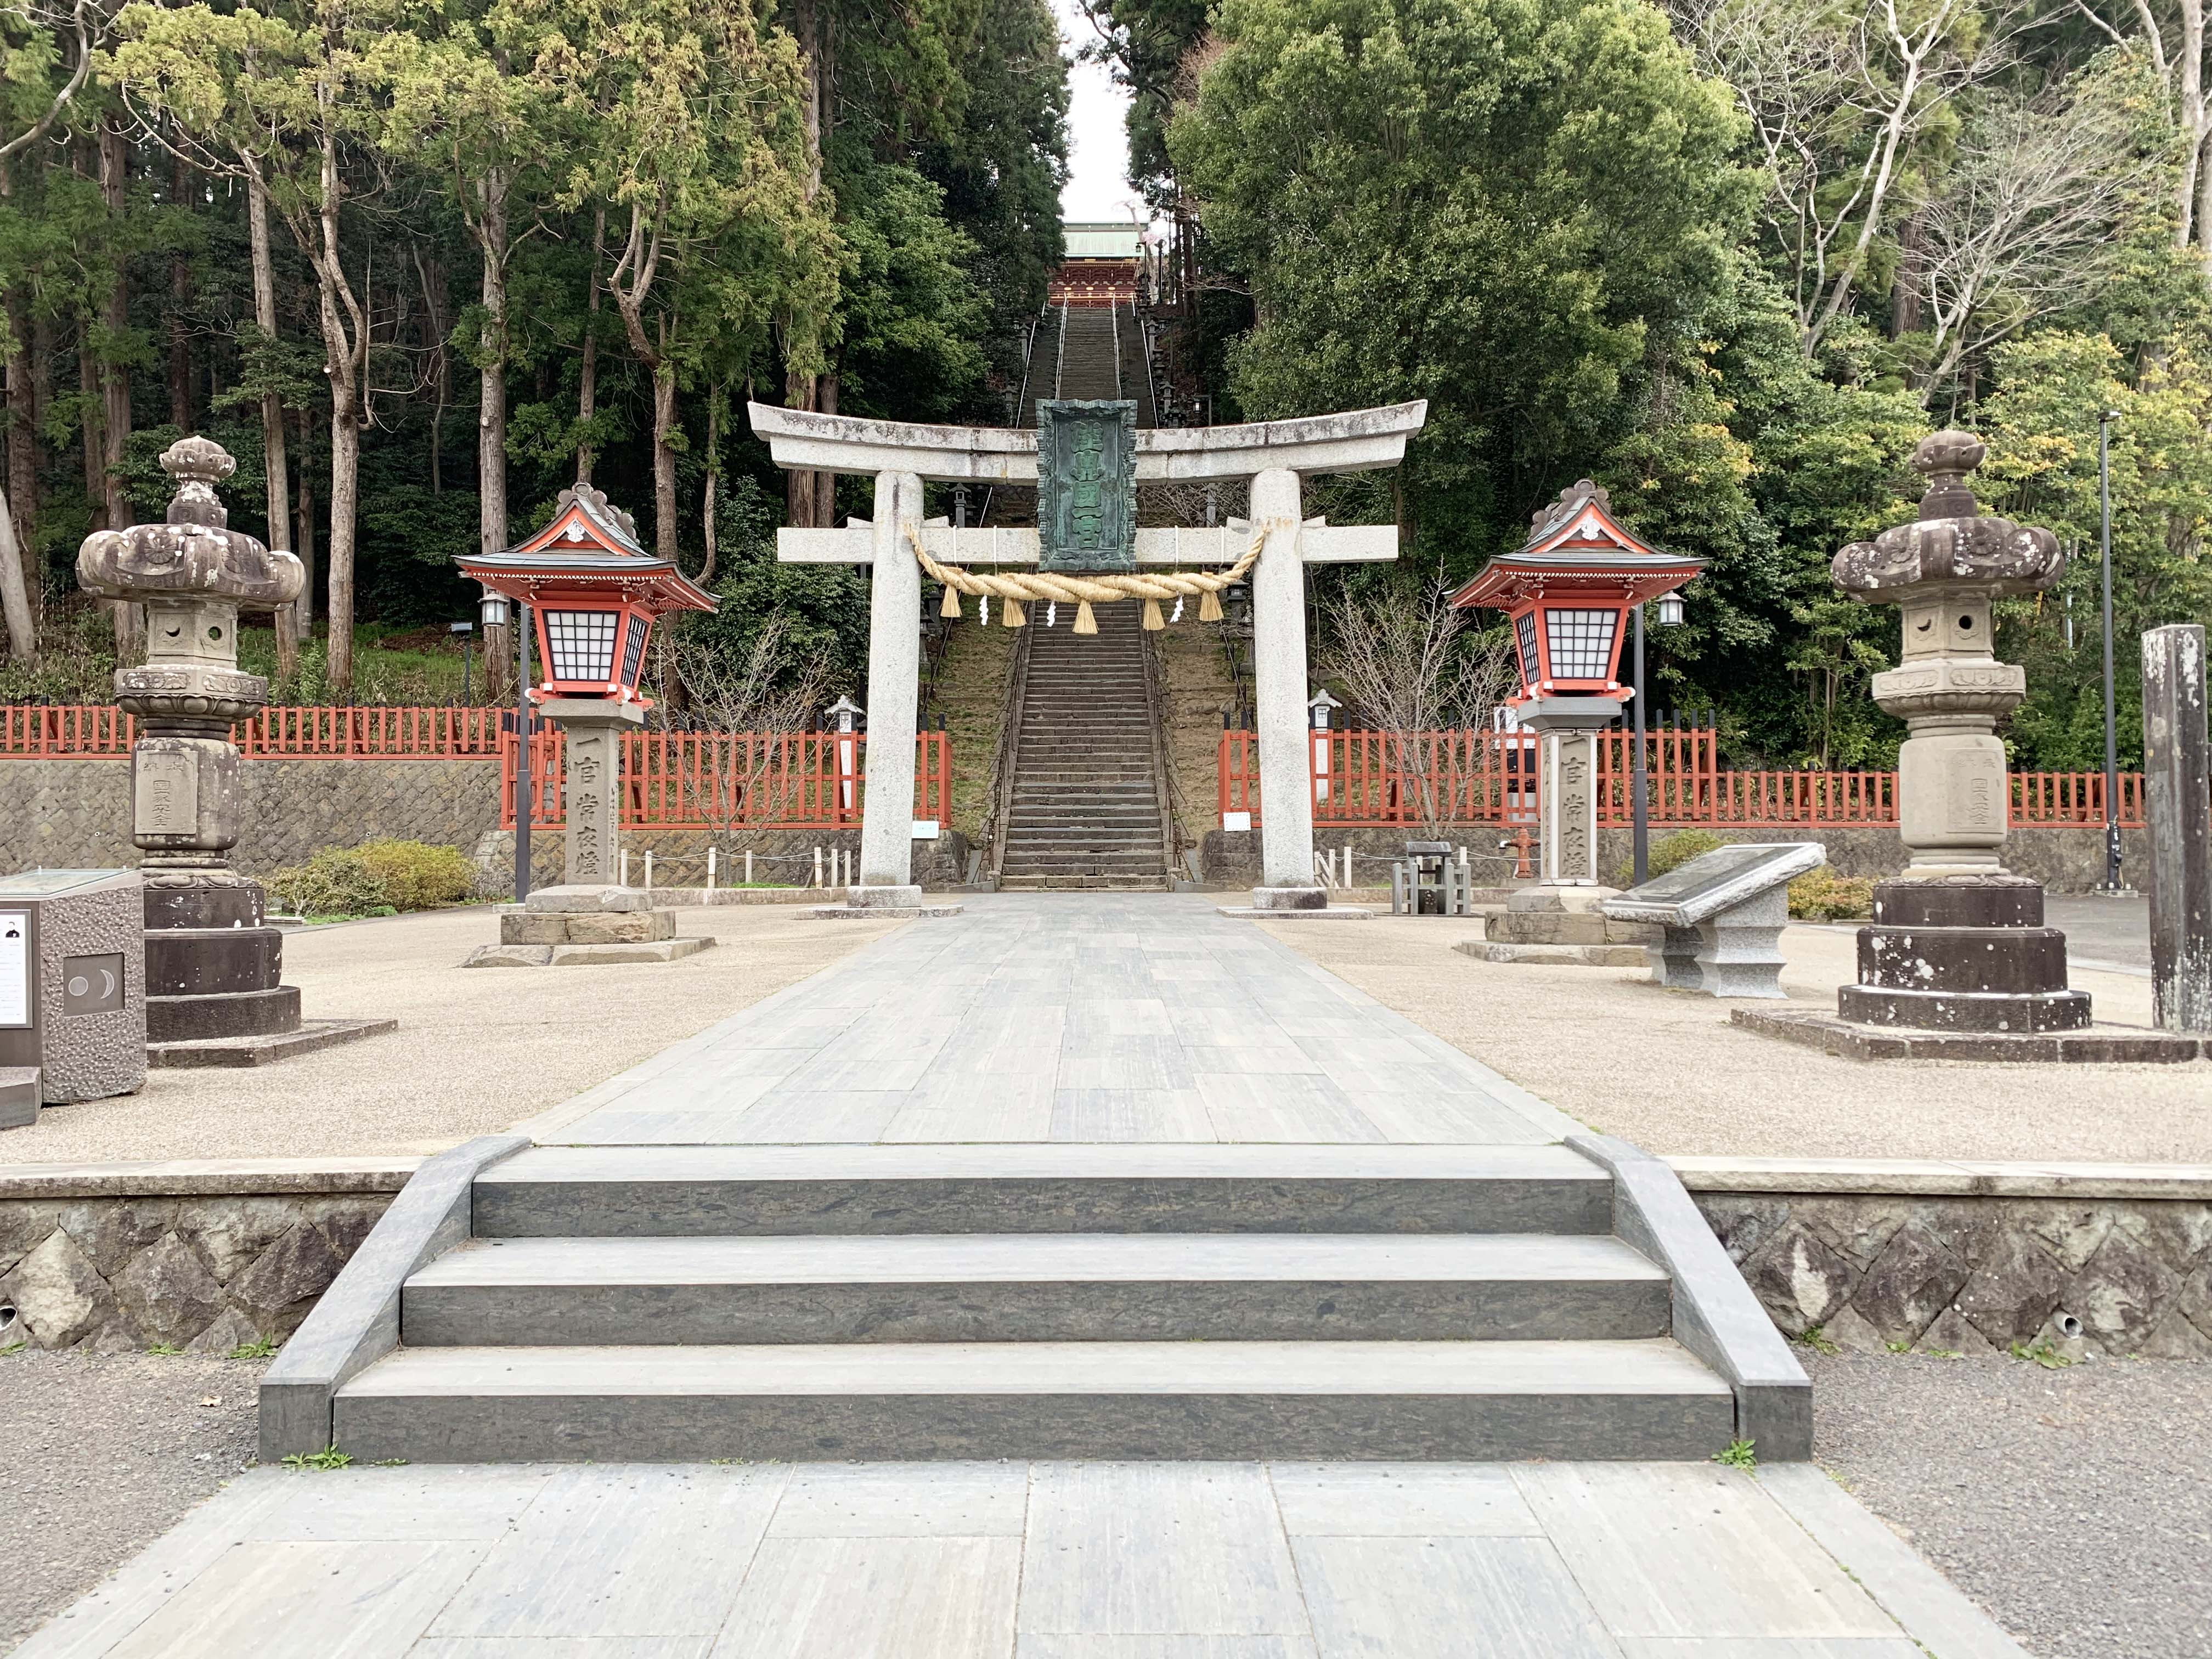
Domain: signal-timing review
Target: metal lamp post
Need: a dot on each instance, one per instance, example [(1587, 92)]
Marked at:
[(1668, 614), (465, 630), (492, 611), (2111, 886)]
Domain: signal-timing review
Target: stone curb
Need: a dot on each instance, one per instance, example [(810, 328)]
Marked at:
[(1716, 1317), (1943, 1178), (356, 1322), (226, 1177)]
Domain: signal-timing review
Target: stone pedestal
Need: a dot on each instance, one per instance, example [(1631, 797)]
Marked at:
[(1963, 953), (1556, 927), (867, 903), (576, 925), (1566, 731)]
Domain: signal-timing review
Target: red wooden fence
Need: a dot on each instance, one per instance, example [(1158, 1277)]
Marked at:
[(369, 733), (734, 780), (1372, 780)]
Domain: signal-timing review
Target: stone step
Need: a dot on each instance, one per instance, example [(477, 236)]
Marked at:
[(999, 1287), (1123, 884), (1038, 862), (824, 1190), (1645, 1399)]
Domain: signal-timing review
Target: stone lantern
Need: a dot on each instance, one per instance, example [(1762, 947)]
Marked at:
[(594, 593), (1568, 591), (1957, 944), (213, 966)]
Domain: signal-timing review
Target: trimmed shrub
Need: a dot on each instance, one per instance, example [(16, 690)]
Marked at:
[(417, 876), (337, 882), (1671, 851), (1821, 895)]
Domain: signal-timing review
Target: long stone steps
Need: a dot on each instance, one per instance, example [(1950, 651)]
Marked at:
[(1012, 1301)]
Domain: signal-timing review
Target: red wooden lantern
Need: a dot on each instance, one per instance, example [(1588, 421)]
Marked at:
[(593, 593), (1568, 589)]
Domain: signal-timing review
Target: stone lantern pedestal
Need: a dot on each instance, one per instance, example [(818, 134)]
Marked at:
[(214, 994)]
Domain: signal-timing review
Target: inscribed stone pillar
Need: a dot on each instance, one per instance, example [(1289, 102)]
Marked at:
[(1566, 729), (2177, 773), (591, 783), (893, 687), (1279, 671)]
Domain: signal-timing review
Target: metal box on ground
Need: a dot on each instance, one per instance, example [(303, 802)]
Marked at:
[(73, 982)]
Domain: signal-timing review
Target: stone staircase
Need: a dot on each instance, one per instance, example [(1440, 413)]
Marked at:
[(1086, 796), (1039, 1301), (1090, 359)]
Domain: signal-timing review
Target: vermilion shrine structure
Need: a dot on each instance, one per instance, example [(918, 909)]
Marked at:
[(1273, 455)]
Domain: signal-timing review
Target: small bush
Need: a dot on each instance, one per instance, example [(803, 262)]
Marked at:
[(378, 877), (1821, 895), (337, 882), (1670, 853), (417, 876)]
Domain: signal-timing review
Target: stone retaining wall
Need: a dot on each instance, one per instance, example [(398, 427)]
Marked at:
[(201, 1256), (1972, 1258)]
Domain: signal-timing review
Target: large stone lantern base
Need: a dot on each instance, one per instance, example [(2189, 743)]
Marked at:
[(1963, 953)]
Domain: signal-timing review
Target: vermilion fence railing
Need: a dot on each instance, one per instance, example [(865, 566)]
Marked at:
[(378, 732), (733, 780), (1372, 779)]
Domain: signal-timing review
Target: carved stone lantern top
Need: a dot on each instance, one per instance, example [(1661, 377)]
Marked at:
[(193, 554), (194, 574), (1953, 547)]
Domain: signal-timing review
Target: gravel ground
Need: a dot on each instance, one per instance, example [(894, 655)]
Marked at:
[(2075, 1505), (1666, 1070), (476, 1050), (98, 1456)]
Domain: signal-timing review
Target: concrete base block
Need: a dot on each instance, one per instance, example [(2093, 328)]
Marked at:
[(1557, 956), (18, 1096), (509, 955), (586, 899), (312, 1036), (665, 949), (1290, 898), (1334, 912), (2114, 1045), (883, 913), (884, 898)]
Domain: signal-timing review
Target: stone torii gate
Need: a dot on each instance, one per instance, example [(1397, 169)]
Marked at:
[(1272, 454)]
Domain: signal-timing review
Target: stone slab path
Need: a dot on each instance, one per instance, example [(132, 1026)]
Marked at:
[(1071, 1018), (1078, 1020), (1021, 1561)]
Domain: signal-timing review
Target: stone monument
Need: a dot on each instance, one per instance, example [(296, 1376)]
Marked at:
[(2176, 776), (1958, 963), (214, 967), (595, 594)]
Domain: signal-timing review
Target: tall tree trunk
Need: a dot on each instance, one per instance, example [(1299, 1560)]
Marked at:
[(825, 483), (115, 377), (714, 396), (303, 539), (291, 619), (2195, 126), (345, 487), (95, 447), (664, 460), (180, 294), (19, 582), (491, 400), (14, 594), (587, 383), (431, 274), (797, 484)]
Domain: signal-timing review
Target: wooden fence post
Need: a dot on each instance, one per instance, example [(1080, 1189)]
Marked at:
[(2178, 785)]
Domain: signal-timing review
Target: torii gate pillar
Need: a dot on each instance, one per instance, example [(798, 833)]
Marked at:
[(894, 699), (1278, 675)]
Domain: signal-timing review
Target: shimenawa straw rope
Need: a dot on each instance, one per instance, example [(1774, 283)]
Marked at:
[(1013, 591)]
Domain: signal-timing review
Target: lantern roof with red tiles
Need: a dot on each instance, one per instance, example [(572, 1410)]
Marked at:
[(592, 545), (1577, 547)]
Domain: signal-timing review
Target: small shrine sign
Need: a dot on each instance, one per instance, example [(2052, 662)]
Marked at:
[(1087, 485)]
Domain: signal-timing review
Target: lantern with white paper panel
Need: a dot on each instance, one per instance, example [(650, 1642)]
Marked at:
[(1568, 590), (593, 593)]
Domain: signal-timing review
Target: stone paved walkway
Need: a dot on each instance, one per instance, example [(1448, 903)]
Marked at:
[(1064, 1018), (1013, 1561), (1075, 1020)]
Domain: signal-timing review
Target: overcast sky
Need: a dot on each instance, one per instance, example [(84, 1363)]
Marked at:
[(1098, 143)]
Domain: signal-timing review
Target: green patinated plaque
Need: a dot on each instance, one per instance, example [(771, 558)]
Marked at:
[(1087, 484)]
